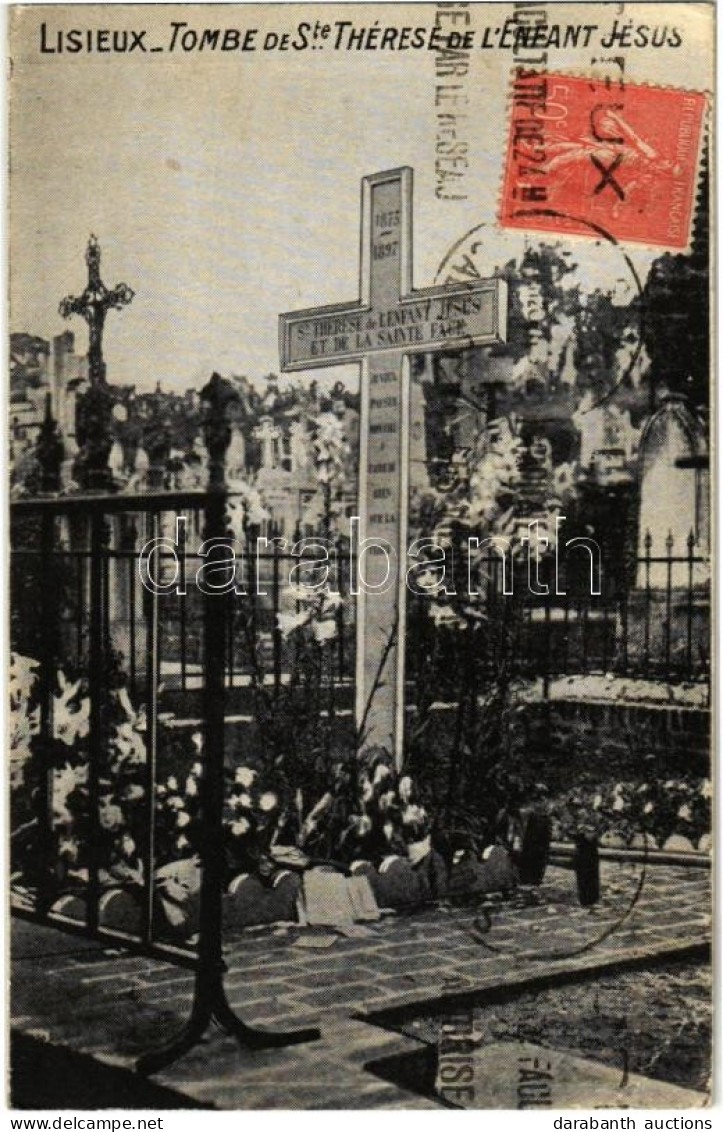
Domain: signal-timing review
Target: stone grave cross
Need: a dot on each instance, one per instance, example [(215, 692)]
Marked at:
[(389, 322)]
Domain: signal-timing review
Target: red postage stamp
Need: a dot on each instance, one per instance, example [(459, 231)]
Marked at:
[(586, 155)]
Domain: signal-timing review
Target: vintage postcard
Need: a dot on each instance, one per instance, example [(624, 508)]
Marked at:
[(360, 610)]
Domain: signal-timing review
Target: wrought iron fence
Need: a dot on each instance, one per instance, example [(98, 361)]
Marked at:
[(119, 690), (271, 584), (649, 621), (94, 735)]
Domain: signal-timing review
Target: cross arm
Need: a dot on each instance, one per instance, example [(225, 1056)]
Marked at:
[(320, 336), (72, 304), (432, 319), (120, 296), (465, 314), (94, 300)]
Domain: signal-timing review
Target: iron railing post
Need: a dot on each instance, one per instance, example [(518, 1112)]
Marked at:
[(48, 658), (97, 692), (276, 606), (669, 543), (152, 682), (689, 625), (648, 543), (209, 999)]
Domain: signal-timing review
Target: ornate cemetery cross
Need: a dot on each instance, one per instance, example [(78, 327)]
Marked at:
[(93, 305), (389, 322), (94, 408)]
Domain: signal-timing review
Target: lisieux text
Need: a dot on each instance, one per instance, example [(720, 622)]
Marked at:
[(182, 38)]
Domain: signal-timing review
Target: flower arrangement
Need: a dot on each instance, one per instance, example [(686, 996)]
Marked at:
[(384, 813), (177, 804), (122, 813), (24, 714), (252, 818), (316, 612), (629, 809)]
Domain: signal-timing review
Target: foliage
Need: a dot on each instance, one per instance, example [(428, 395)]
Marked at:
[(367, 811), (122, 809), (463, 640), (244, 508), (177, 804), (677, 312), (24, 714), (331, 456), (630, 809)]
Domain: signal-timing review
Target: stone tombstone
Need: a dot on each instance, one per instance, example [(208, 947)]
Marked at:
[(669, 604), (672, 490)]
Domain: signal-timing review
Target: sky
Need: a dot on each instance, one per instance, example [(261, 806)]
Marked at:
[(224, 189)]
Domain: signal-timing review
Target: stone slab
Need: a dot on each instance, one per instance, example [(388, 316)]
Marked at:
[(520, 1075)]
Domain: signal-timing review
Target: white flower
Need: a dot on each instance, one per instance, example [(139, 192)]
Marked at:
[(413, 814), (268, 801), (366, 789), (134, 792), (240, 827), (197, 769), (597, 802), (684, 812), (191, 787), (245, 801), (388, 830), (648, 808), (244, 776), (405, 788), (386, 800), (619, 803), (22, 677), (172, 783), (444, 615), (128, 845), (182, 819), (705, 788), (176, 802), (124, 701), (110, 816), (324, 630), (68, 849), (288, 622), (69, 726), (182, 842), (380, 774)]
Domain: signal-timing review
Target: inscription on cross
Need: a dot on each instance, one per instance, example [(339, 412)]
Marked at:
[(389, 322)]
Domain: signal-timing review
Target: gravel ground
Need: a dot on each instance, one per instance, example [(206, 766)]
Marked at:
[(657, 1023)]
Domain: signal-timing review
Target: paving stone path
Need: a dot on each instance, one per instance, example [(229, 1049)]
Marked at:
[(111, 1007)]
